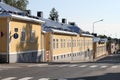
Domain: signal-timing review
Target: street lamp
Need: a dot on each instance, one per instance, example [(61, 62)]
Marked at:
[(96, 22)]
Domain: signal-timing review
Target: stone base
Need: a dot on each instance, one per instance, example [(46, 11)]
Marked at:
[(3, 58), (23, 57)]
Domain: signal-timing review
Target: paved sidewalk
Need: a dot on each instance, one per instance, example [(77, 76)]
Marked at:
[(19, 65)]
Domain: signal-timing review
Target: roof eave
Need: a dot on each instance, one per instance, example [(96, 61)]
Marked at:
[(22, 18)]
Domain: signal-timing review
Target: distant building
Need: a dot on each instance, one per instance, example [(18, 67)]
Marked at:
[(113, 47), (99, 46)]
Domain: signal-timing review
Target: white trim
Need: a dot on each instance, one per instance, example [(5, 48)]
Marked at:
[(62, 54), (27, 51), (26, 18), (44, 32), (87, 35), (63, 32)]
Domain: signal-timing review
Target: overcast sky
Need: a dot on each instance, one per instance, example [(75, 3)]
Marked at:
[(84, 13)]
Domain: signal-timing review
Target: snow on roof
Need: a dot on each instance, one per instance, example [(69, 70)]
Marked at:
[(63, 32), (43, 31), (87, 35), (6, 7), (60, 26), (26, 18), (96, 39)]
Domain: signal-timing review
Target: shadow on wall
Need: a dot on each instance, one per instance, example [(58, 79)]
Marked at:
[(27, 51)]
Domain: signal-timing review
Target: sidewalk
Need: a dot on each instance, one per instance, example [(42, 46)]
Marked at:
[(19, 65)]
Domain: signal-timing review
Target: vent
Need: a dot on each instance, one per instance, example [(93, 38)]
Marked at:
[(40, 14), (28, 12), (64, 21), (72, 23)]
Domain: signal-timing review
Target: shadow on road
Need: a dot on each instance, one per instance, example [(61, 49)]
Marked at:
[(114, 58), (108, 76), (110, 59)]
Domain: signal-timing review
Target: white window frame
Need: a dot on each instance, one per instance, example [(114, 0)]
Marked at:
[(54, 43), (23, 31), (32, 36)]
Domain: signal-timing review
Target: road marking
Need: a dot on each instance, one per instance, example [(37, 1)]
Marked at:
[(93, 66), (103, 66), (61, 79), (62, 65), (83, 66), (72, 65), (44, 79), (9, 78), (114, 67), (26, 78)]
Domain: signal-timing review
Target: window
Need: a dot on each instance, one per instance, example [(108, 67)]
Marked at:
[(72, 43), (32, 36), (61, 43), (23, 35), (64, 43), (53, 43), (68, 43), (56, 43), (75, 43)]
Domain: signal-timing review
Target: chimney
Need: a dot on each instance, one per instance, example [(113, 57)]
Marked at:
[(64, 21), (72, 23), (40, 14), (94, 34), (28, 12)]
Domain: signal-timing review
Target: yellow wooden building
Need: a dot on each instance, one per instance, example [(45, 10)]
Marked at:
[(63, 45), (20, 37), (99, 46)]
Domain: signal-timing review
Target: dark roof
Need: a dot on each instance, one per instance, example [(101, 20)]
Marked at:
[(6, 7), (49, 24)]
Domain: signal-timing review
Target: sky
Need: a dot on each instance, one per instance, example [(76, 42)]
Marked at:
[(84, 13)]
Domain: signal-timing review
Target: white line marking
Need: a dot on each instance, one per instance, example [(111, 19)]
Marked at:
[(26, 78), (62, 79), (93, 66), (44, 79), (103, 66), (83, 66), (72, 65), (9, 78), (62, 65), (114, 67)]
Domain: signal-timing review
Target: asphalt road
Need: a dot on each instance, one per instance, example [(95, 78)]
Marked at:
[(107, 68)]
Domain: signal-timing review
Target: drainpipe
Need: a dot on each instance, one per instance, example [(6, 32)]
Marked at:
[(71, 49), (51, 47), (8, 38)]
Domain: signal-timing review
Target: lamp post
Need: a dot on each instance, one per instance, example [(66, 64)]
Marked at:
[(96, 22)]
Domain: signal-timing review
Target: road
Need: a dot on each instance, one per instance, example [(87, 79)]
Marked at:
[(107, 68)]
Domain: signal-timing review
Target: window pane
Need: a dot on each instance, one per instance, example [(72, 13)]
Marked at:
[(32, 36), (23, 35)]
